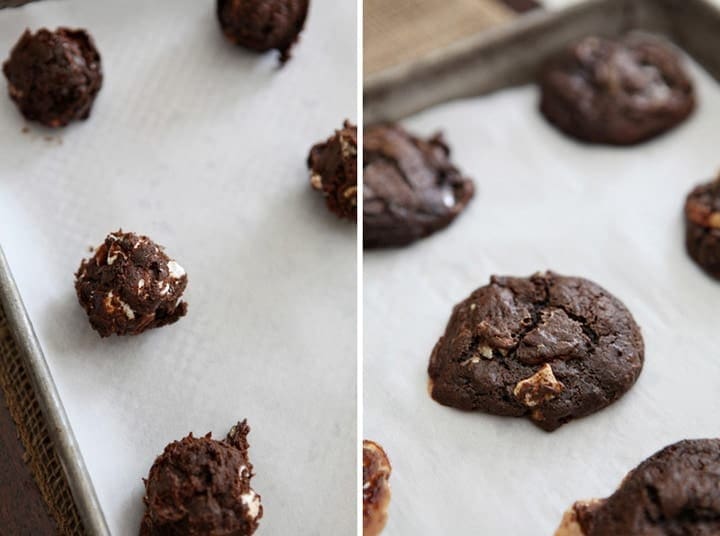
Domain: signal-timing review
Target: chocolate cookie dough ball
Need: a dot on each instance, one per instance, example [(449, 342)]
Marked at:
[(376, 489), (549, 347), (130, 285), (702, 227), (619, 92), (411, 189), (53, 77), (263, 25), (674, 492), (200, 486), (333, 171)]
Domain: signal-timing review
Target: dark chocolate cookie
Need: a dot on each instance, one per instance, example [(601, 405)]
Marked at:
[(675, 492), (130, 285), (411, 189), (333, 171), (548, 347), (702, 227), (263, 25), (617, 92), (200, 486), (53, 77), (376, 489)]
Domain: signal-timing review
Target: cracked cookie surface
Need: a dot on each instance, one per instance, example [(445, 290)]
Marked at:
[(548, 347), (411, 188), (618, 92), (675, 492)]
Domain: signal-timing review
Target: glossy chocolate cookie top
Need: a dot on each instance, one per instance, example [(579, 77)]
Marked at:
[(411, 188), (333, 171), (53, 77), (548, 347), (200, 486), (674, 492), (130, 285), (263, 25), (702, 227), (620, 91)]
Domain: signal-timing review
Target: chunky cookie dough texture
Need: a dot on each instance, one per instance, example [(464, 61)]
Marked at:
[(130, 285), (548, 347), (53, 77), (674, 492), (702, 227), (200, 486), (333, 171), (376, 488), (616, 91), (263, 25), (411, 189)]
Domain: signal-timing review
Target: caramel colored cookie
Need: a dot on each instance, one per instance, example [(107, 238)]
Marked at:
[(675, 492), (549, 347), (263, 25), (130, 285), (200, 486), (53, 77), (333, 171), (376, 489), (619, 92), (702, 227), (411, 189)]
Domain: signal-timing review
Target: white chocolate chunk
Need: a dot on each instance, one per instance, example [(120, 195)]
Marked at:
[(176, 271), (252, 501)]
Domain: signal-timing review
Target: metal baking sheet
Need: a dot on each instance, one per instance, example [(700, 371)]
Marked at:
[(543, 201), (202, 146)]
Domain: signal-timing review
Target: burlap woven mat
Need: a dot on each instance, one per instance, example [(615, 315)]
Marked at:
[(399, 31), (32, 431)]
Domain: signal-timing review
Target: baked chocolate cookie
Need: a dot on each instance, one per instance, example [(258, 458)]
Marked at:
[(53, 77), (376, 489), (263, 25), (548, 347), (333, 171), (130, 285), (410, 187), (618, 92), (675, 492), (200, 486), (702, 227)]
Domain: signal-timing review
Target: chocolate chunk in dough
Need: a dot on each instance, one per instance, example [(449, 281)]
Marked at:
[(333, 171), (200, 486), (130, 285), (53, 77), (263, 25)]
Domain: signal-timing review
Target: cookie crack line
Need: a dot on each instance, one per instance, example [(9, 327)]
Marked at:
[(548, 347)]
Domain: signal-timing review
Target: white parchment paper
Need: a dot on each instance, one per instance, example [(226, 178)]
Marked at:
[(201, 146), (544, 202)]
